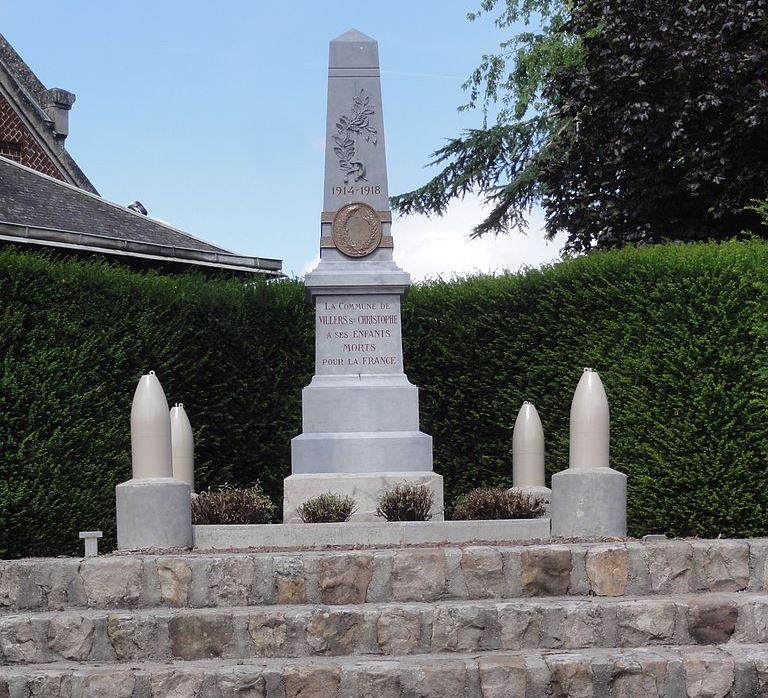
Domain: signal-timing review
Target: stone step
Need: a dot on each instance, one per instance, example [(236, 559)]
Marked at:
[(394, 574), (727, 671), (382, 629)]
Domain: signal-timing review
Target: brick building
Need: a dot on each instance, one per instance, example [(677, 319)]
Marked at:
[(47, 201)]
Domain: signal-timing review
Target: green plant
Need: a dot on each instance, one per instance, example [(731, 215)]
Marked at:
[(406, 502), (231, 505), (497, 503), (760, 207), (75, 337), (327, 508)]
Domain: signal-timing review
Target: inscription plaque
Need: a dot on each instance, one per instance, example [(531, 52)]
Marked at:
[(358, 334)]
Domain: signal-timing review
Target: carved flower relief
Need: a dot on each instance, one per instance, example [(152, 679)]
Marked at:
[(349, 128)]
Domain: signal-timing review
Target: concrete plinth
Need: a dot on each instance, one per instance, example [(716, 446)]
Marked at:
[(540, 492), (364, 403), (361, 452), (588, 502), (364, 488), (534, 491), (154, 513), (368, 534)]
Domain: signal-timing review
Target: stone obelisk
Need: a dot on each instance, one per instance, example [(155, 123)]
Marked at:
[(360, 414)]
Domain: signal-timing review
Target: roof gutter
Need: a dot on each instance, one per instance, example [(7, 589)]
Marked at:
[(14, 232)]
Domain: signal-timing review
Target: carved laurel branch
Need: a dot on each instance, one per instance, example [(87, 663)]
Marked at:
[(349, 128)]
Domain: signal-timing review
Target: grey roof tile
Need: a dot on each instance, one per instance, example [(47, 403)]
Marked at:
[(31, 199)]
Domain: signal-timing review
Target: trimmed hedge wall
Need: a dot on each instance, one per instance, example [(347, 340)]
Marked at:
[(74, 339), (678, 334)]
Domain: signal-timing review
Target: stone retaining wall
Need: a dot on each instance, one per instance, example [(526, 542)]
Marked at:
[(631, 619), (402, 574), (698, 672), (392, 629)]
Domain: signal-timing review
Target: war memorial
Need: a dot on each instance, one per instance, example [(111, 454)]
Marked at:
[(562, 605), (360, 413)]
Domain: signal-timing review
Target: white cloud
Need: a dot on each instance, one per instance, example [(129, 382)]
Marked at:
[(431, 247), (310, 265)]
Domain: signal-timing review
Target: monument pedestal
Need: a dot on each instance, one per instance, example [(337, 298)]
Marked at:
[(543, 493), (360, 414), (153, 513), (362, 423), (364, 488), (589, 502)]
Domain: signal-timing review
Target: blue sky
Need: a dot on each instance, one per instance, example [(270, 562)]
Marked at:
[(213, 114)]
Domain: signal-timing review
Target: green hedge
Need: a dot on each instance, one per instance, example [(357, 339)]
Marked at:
[(74, 340), (678, 334)]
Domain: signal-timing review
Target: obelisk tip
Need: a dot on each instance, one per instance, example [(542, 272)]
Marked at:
[(353, 35), (353, 49)]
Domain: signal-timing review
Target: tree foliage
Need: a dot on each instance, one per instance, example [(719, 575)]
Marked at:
[(503, 161), (667, 124), (629, 122)]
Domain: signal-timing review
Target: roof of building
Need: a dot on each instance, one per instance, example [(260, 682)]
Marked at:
[(37, 106), (40, 210)]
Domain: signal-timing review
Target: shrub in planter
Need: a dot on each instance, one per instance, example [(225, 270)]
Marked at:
[(233, 506), (327, 508), (406, 502), (497, 503)]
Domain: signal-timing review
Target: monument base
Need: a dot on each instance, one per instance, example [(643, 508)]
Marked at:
[(364, 488), (538, 491), (589, 502), (361, 452), (359, 534), (154, 513), (534, 491)]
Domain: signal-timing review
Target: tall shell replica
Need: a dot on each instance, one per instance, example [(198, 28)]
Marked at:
[(528, 448), (153, 509), (150, 430), (182, 446), (590, 423), (589, 498)]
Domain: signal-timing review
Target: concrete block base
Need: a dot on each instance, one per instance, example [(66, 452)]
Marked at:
[(368, 534), (535, 491), (364, 488), (589, 502), (357, 452), (154, 513)]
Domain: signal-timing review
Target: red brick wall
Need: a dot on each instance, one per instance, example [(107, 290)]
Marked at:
[(18, 144)]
